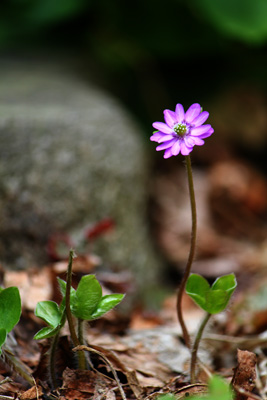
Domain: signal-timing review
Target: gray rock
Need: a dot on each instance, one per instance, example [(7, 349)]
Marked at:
[(69, 156)]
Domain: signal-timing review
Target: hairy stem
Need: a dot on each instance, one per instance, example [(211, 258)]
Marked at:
[(52, 367), (196, 345), (191, 251), (80, 330), (76, 342)]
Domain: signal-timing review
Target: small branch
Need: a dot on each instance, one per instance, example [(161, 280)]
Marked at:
[(106, 360)]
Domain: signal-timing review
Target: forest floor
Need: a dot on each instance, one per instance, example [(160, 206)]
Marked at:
[(137, 353)]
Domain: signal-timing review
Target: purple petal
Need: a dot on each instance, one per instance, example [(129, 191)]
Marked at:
[(192, 112), (199, 130), (156, 136), (189, 141), (162, 127), (198, 141), (207, 134), (166, 145), (200, 119), (170, 117), (165, 138), (179, 111), (176, 148), (168, 153), (184, 149)]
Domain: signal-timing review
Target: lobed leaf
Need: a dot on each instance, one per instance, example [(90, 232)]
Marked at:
[(3, 334), (49, 312), (46, 332), (106, 304), (88, 295), (216, 301), (226, 282), (10, 308), (218, 389), (196, 288), (212, 299)]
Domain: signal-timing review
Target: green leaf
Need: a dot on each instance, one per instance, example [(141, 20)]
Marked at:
[(49, 312), (226, 282), (212, 299), (88, 295), (216, 301), (63, 285), (218, 390), (106, 304), (10, 308), (168, 396), (242, 19), (196, 288), (46, 332), (3, 334)]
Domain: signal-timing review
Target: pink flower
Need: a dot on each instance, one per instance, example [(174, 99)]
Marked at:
[(181, 131)]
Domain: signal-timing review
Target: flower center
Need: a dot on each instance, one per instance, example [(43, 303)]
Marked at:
[(180, 129)]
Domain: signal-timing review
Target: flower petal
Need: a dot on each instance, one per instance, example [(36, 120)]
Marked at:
[(176, 148), (166, 145), (198, 141), (156, 136), (189, 141), (168, 153), (199, 130), (206, 134), (179, 111), (192, 112), (164, 138), (184, 149), (162, 127), (200, 119), (170, 117)]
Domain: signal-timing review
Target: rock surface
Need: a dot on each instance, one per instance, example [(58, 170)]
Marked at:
[(69, 157)]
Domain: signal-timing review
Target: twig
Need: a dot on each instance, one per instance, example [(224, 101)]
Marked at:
[(90, 349)]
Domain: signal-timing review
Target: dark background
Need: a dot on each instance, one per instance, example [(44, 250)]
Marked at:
[(150, 54)]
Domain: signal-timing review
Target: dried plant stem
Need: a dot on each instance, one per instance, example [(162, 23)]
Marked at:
[(195, 346), (191, 252), (76, 342), (106, 360), (23, 370)]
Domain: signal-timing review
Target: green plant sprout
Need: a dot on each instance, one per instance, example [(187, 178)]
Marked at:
[(218, 389), (212, 299), (10, 312), (86, 303)]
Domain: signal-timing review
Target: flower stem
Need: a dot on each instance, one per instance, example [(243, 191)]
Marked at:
[(191, 252), (195, 346), (76, 342)]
